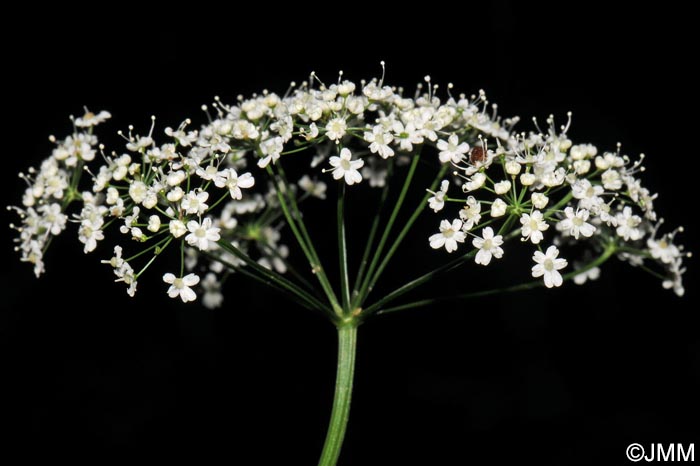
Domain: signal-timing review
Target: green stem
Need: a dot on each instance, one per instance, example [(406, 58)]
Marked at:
[(272, 276), (387, 230), (608, 252), (290, 268), (151, 247), (400, 291), (564, 200), (373, 231), (343, 250), (404, 231), (155, 255), (267, 282), (302, 236), (347, 347)]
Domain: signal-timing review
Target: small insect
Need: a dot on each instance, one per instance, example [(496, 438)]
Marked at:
[(477, 155)]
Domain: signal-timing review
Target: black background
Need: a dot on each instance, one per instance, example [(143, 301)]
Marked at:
[(570, 376)]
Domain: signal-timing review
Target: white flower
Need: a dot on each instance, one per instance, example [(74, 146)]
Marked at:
[(195, 203), (139, 143), (513, 167), (91, 119), (116, 261), (181, 286), (582, 166), (375, 173), (532, 226), (548, 265), (345, 88), (202, 233), (475, 182), (207, 173), (675, 281), (271, 150), (379, 140), (229, 178), (123, 271), (335, 129), (437, 200), (627, 224), (450, 234), (137, 234), (452, 150), (112, 196), (539, 200), (663, 249), (175, 178), (175, 194), (177, 228), (53, 219), (212, 297), (575, 223), (470, 213), (345, 167), (89, 235), (243, 129), (583, 151), (151, 199), (153, 223), (498, 208), (591, 274), (488, 245), (609, 160), (77, 147), (611, 180), (588, 194), (375, 92), (138, 191), (407, 135), (527, 179), (314, 187), (502, 187), (355, 104), (183, 138)]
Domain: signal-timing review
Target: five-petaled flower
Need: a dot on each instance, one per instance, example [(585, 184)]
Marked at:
[(182, 286), (532, 226), (202, 234), (345, 167), (450, 234), (452, 150), (548, 265), (488, 246), (230, 179), (576, 224)]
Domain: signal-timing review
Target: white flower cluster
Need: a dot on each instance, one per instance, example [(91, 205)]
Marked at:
[(52, 187), (540, 180), (223, 184)]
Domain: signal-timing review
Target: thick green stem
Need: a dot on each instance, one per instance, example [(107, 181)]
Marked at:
[(347, 347)]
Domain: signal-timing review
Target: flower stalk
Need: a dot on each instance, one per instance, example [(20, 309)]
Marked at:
[(347, 349)]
